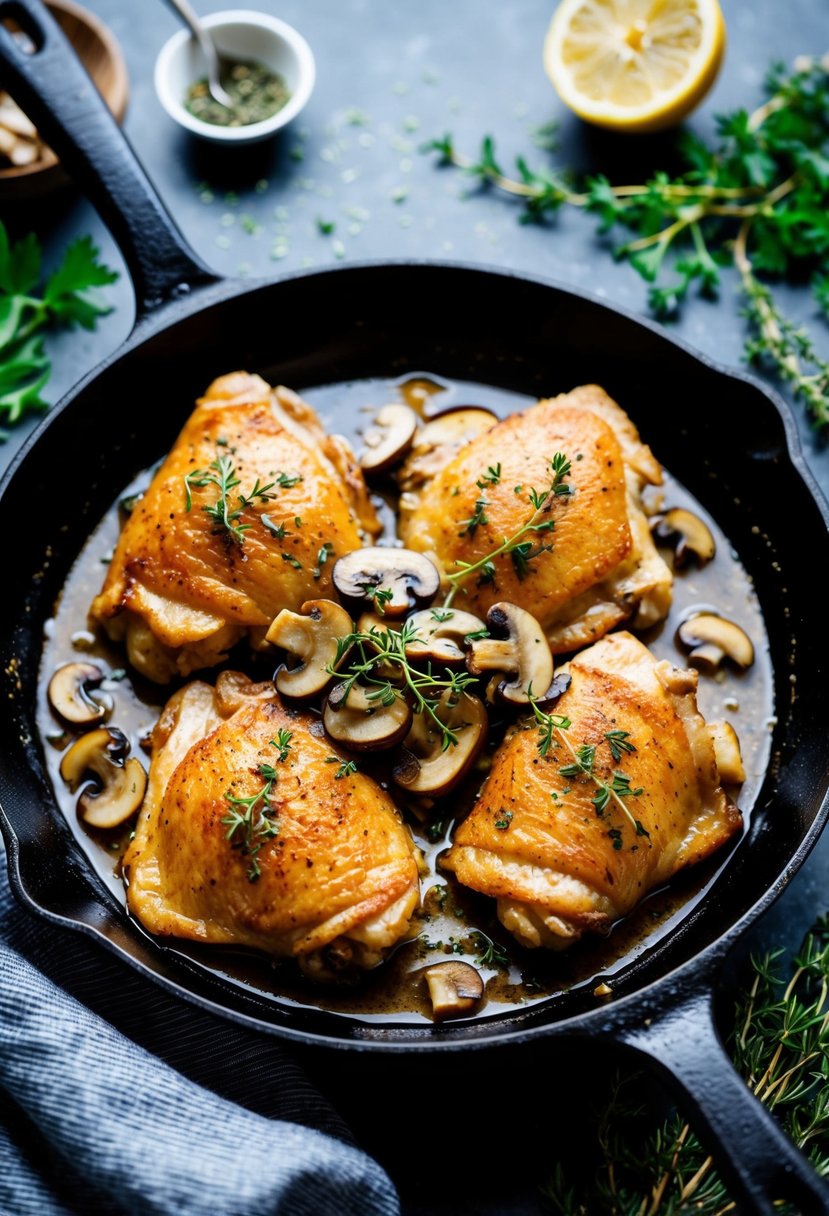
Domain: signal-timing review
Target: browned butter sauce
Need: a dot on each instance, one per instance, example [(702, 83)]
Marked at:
[(452, 921)]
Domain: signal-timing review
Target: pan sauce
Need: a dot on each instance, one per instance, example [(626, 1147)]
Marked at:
[(453, 921)]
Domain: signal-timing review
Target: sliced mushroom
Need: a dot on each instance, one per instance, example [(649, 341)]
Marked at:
[(119, 785), (363, 722), (524, 653), (389, 438), (439, 440), (711, 639), (69, 697), (727, 752), (689, 535), (425, 765), (439, 635), (312, 636), (455, 988), (394, 581)]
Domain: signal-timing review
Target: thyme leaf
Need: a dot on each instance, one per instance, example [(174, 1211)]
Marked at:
[(779, 1042), (755, 197), (520, 550)]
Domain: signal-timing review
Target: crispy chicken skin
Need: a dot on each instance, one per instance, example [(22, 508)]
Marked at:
[(341, 871), (603, 567), (534, 840), (180, 590)]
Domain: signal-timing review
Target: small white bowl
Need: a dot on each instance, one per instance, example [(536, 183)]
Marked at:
[(240, 34)]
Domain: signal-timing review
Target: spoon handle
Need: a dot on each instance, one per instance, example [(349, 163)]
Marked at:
[(208, 49)]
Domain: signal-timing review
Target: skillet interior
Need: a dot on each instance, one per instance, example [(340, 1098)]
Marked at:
[(721, 435)]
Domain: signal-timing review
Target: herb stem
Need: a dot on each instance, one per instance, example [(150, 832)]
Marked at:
[(666, 235), (559, 468)]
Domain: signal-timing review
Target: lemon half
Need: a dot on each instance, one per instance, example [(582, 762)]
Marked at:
[(634, 65)]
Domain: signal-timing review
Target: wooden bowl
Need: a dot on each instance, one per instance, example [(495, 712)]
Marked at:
[(100, 54)]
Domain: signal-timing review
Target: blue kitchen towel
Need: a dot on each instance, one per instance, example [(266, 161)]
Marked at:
[(91, 1122)]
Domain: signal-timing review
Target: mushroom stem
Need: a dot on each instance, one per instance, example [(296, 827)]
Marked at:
[(524, 654), (121, 783)]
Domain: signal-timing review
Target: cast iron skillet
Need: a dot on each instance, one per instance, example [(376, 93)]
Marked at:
[(728, 439)]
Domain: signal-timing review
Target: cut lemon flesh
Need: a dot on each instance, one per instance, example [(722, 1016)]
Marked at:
[(634, 65)]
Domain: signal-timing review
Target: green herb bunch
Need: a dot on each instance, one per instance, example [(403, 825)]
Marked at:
[(757, 200), (26, 309), (373, 653), (779, 1044)]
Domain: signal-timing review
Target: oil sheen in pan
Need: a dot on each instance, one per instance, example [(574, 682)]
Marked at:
[(452, 922)]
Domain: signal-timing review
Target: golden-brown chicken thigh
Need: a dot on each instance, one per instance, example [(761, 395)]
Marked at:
[(323, 862), (596, 567), (559, 856), (185, 584)]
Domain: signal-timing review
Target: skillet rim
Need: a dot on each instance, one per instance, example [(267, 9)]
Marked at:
[(490, 1033)]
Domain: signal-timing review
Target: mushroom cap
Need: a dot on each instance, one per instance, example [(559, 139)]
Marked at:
[(364, 723), (424, 765), (68, 694), (524, 653), (689, 534), (312, 636), (439, 635), (711, 639), (407, 579), (455, 988), (120, 784), (389, 438)]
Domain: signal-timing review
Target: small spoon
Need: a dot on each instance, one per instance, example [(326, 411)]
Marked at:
[(208, 49)]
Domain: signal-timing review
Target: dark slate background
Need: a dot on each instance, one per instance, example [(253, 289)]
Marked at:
[(392, 74)]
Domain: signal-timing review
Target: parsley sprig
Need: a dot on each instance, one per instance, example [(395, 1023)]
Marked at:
[(520, 546), (756, 198), (251, 821), (381, 650), (67, 298)]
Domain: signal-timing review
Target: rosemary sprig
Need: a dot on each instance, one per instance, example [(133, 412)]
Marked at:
[(779, 1043), (755, 199), (251, 821), (378, 650), (520, 550)]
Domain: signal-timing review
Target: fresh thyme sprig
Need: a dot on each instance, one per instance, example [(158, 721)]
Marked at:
[(756, 199), (779, 1044), (221, 473), (378, 595), (492, 954), (552, 732), (521, 551), (347, 767), (378, 650), (251, 821)]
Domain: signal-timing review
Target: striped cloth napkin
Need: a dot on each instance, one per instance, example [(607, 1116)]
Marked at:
[(120, 1099)]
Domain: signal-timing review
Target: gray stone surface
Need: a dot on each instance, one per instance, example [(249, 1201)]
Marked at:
[(390, 75)]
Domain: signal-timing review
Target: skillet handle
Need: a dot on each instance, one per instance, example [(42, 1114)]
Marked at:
[(50, 84), (758, 1162)]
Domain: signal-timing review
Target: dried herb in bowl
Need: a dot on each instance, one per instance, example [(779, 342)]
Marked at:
[(257, 92)]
